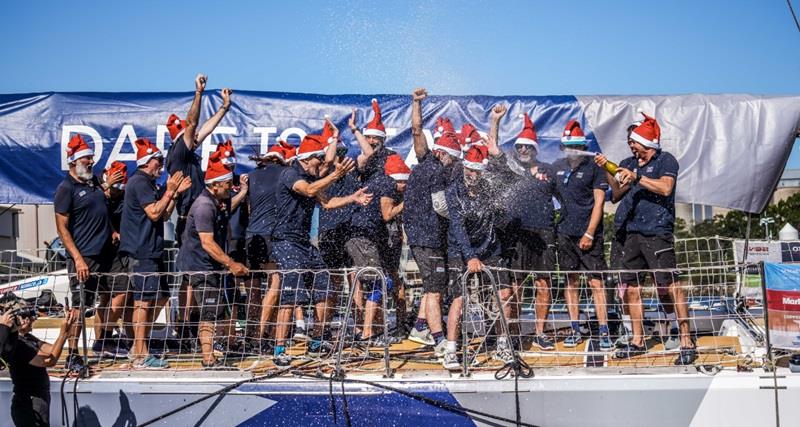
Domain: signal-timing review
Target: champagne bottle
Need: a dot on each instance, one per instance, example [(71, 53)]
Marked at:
[(611, 167)]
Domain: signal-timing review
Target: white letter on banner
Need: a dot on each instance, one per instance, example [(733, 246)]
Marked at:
[(265, 132), (411, 157), (161, 135), (209, 148), (127, 133), (292, 131), (66, 133), (390, 132)]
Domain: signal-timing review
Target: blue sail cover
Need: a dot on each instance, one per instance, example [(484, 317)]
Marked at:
[(731, 148)]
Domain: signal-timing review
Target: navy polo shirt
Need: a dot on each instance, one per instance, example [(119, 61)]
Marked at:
[(624, 204), (85, 203), (180, 158), (261, 195), (576, 194), (472, 232), (423, 226), (367, 221), (376, 163), (293, 210), (652, 214), (207, 215), (532, 201), (140, 237), (115, 211), (330, 219)]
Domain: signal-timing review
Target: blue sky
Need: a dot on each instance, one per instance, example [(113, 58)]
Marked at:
[(450, 47)]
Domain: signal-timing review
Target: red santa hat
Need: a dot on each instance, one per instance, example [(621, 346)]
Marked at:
[(78, 148), (648, 133), (217, 170), (283, 151), (448, 143), (375, 127), (310, 146), (573, 134), (528, 134), (397, 168), (175, 126), (327, 131), (227, 154), (475, 159), (115, 167), (145, 150), (470, 137), (443, 125)]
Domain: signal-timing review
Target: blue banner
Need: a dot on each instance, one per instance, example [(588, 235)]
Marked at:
[(35, 128)]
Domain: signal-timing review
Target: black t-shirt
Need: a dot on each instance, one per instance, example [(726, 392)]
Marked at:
[(293, 210), (330, 219), (29, 380), (207, 215), (423, 226), (261, 195), (180, 158), (367, 221), (140, 237), (376, 163), (85, 203), (576, 193)]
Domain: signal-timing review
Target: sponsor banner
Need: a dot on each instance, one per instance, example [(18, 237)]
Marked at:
[(713, 137), (783, 304)]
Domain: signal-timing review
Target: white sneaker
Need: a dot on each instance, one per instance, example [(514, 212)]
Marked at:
[(423, 337), (450, 361), (503, 352), (673, 341)]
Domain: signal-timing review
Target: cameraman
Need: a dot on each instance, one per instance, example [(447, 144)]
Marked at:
[(27, 357)]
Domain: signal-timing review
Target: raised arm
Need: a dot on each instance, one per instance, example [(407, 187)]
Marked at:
[(193, 116), (214, 120), (330, 150), (48, 355), (366, 149), (420, 144), (617, 189), (241, 196), (492, 141), (162, 208)]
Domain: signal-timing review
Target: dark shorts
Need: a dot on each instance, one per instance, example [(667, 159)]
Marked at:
[(98, 265), (617, 255), (572, 258), (116, 281), (211, 296), (259, 251), (331, 247), (27, 410), (535, 252), (149, 283), (364, 252), (432, 264), (298, 287), (650, 253), (457, 268)]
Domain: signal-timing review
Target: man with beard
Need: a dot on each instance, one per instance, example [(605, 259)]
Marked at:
[(581, 187), (83, 224), (204, 238), (144, 211), (425, 215), (532, 217), (300, 188), (649, 243), (263, 217), (473, 242)]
